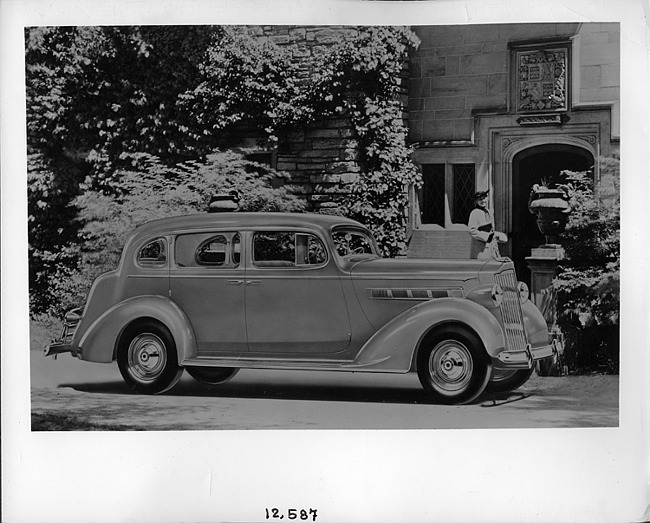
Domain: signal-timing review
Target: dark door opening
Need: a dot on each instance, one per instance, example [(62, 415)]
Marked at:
[(530, 167)]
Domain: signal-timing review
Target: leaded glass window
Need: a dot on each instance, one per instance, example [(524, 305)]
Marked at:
[(464, 188)]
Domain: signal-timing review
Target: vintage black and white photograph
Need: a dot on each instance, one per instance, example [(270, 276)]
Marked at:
[(244, 230), (238, 205)]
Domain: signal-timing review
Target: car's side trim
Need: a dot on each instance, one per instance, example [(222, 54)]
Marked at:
[(161, 274), (289, 363)]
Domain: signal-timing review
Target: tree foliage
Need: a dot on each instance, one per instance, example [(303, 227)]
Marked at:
[(97, 98), (101, 94), (244, 81), (588, 284), (109, 109)]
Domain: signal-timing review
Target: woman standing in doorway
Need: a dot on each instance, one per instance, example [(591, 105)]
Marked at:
[(481, 229)]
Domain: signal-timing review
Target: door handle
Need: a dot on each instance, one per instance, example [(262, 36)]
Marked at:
[(253, 282), (234, 282)]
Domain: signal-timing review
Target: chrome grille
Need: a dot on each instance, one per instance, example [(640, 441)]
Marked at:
[(513, 320)]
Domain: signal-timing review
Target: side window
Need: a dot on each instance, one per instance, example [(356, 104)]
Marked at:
[(287, 249), (153, 254), (208, 250)]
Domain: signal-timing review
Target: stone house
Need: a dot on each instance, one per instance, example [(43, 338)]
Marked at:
[(497, 107), (503, 106)]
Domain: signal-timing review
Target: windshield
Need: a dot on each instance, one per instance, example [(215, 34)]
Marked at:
[(353, 241)]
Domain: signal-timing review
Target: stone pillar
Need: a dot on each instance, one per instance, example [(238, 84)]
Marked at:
[(543, 265)]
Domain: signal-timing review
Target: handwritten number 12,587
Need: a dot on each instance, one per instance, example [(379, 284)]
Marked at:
[(292, 513)]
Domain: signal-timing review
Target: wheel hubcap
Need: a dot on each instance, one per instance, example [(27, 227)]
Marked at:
[(450, 366), (147, 357)]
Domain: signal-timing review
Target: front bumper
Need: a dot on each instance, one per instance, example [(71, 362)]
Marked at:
[(526, 359)]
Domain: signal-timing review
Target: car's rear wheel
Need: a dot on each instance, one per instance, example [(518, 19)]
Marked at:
[(147, 359), (503, 381), (212, 375), (453, 366)]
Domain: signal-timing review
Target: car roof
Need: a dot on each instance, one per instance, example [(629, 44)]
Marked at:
[(240, 220)]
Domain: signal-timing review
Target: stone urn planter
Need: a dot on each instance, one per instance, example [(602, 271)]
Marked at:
[(552, 208)]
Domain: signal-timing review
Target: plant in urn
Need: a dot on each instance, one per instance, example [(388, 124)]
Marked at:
[(552, 208)]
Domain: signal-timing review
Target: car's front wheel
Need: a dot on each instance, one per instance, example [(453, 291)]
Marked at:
[(503, 381), (212, 375), (453, 366), (146, 357)]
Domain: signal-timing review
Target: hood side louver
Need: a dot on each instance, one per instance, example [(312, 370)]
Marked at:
[(408, 294)]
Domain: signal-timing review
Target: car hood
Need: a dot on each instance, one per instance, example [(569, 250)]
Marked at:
[(420, 268), (385, 288)]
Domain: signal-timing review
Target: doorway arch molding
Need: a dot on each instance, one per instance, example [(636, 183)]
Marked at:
[(506, 143)]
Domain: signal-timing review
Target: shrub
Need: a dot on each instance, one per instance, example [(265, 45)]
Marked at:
[(588, 283), (151, 191)]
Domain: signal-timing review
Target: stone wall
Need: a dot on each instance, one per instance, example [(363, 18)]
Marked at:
[(461, 69)]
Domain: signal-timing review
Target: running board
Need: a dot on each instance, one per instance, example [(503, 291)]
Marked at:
[(297, 364)]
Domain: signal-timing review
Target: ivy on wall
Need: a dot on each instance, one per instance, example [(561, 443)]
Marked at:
[(249, 80), (363, 75)]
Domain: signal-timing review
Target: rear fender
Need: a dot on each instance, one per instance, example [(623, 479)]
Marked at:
[(99, 342), (394, 346)]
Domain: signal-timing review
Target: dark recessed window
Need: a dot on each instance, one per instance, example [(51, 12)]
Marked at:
[(433, 194)]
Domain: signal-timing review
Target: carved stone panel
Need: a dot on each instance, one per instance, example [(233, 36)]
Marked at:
[(541, 83)]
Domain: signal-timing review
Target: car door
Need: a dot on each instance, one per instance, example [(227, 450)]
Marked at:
[(207, 282), (294, 297)]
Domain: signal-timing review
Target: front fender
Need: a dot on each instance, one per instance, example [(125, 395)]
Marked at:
[(392, 348), (99, 342), (535, 324)]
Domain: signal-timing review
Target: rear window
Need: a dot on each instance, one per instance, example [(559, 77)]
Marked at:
[(153, 254)]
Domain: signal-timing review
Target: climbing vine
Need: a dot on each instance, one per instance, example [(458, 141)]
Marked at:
[(362, 78)]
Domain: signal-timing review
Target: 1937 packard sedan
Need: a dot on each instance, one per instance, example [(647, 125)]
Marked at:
[(213, 293)]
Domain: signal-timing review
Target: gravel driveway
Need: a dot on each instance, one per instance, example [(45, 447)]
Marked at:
[(260, 399)]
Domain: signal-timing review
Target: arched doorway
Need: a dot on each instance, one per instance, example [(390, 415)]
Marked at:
[(529, 167)]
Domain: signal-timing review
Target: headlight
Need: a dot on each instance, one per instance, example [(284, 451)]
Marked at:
[(497, 294), (524, 293)]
